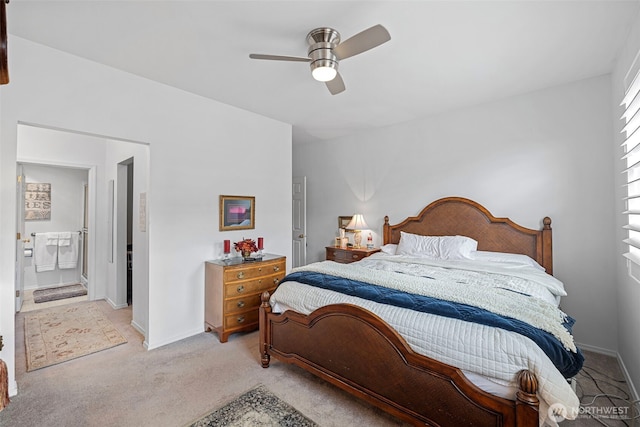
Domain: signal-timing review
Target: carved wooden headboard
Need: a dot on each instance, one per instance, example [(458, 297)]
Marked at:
[(459, 216)]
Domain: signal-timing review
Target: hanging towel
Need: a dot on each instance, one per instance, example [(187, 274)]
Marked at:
[(64, 238), (52, 239), (45, 251), (68, 255)]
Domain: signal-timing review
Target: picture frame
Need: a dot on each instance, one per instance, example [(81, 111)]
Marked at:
[(237, 213), (37, 201), (344, 220)]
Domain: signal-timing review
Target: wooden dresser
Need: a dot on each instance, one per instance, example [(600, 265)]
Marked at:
[(232, 292), (346, 256)]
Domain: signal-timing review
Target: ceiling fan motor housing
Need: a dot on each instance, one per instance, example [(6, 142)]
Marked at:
[(321, 43)]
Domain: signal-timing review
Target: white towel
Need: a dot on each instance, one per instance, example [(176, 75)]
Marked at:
[(64, 238), (52, 238), (45, 254), (68, 255)]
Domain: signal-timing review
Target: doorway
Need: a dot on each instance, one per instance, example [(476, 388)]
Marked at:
[(106, 158), (52, 201), (124, 249)]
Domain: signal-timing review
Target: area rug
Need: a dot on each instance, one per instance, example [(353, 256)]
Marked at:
[(55, 335), (60, 292), (257, 407)]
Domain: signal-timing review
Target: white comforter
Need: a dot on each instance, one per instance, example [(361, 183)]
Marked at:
[(494, 353)]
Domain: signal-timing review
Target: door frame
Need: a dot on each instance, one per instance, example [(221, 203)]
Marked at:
[(21, 239), (91, 181)]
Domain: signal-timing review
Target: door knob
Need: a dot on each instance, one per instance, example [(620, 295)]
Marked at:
[(301, 236)]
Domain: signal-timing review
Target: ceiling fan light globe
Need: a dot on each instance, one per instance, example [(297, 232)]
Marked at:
[(324, 74)]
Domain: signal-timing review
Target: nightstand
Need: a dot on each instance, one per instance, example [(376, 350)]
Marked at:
[(346, 256), (232, 292)]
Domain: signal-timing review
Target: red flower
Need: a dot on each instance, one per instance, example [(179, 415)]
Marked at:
[(246, 245)]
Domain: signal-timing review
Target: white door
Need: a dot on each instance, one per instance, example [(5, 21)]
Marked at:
[(21, 239), (299, 221)]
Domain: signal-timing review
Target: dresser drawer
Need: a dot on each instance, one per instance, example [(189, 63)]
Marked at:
[(341, 255), (251, 286), (250, 271), (244, 302), (241, 319), (346, 256)]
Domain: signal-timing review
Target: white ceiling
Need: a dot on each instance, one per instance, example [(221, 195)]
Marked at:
[(442, 55)]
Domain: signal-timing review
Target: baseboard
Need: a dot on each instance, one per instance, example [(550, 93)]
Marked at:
[(599, 350), (174, 339), (625, 372), (13, 389), (139, 328), (116, 306), (52, 285)]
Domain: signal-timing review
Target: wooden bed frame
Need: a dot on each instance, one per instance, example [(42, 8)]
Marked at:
[(357, 351)]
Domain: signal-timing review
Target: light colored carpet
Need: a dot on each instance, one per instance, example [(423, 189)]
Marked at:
[(170, 386), (257, 407), (55, 335)]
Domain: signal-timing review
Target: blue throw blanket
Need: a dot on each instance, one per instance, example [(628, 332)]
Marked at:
[(567, 362)]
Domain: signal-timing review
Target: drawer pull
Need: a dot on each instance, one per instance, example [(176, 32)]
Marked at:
[(240, 289), (240, 304), (240, 319), (276, 268), (354, 256), (241, 275), (276, 280)]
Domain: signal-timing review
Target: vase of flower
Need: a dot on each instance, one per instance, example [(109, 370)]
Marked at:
[(246, 247)]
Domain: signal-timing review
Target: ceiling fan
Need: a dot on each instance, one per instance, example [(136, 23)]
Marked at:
[(325, 50)]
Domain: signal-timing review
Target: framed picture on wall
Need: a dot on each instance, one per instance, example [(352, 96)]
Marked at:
[(237, 213), (343, 221), (37, 201)]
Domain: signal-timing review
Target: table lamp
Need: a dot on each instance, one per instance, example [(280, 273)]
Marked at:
[(357, 224)]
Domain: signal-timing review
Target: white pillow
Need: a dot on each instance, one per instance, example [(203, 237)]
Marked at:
[(389, 248), (506, 257), (440, 247)]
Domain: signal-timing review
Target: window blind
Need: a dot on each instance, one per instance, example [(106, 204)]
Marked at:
[(631, 145)]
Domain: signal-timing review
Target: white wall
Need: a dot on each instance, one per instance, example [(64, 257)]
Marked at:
[(628, 289), (198, 150), (527, 157), (67, 198)]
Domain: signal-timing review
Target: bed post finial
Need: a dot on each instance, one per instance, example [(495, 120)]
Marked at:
[(386, 234), (526, 398), (547, 258)]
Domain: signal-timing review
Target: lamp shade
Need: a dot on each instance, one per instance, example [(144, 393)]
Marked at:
[(357, 223)]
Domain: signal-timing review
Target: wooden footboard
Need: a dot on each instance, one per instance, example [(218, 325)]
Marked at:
[(357, 351)]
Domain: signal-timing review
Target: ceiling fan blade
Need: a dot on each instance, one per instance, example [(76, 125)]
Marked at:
[(279, 58), (336, 85), (362, 42)]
